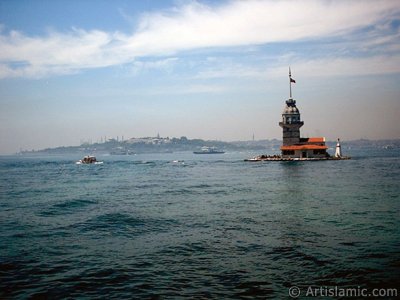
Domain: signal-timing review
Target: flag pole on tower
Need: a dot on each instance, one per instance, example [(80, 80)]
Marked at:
[(290, 83)]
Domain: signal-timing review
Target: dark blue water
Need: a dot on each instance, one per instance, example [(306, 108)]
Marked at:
[(208, 226)]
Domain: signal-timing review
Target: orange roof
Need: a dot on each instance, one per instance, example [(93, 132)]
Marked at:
[(304, 147), (316, 140)]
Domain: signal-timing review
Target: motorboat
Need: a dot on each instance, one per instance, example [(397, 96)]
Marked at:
[(88, 159)]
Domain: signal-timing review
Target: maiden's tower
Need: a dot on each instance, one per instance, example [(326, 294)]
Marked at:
[(293, 146)]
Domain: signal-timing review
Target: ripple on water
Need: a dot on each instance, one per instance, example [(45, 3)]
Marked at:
[(67, 207), (126, 224)]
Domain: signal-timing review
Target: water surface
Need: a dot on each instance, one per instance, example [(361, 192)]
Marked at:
[(180, 225)]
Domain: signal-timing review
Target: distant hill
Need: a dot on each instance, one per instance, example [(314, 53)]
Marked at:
[(141, 145), (165, 145)]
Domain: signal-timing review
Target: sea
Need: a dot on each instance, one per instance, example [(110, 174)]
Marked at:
[(186, 226)]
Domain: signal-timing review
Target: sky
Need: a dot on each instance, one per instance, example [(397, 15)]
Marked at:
[(77, 71)]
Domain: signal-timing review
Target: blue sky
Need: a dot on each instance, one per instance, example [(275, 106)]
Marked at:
[(82, 70)]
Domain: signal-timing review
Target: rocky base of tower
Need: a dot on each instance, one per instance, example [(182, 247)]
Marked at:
[(280, 158)]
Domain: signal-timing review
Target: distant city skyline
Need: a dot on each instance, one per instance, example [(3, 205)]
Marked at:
[(81, 70)]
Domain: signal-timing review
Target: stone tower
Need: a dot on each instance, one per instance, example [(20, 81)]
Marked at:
[(291, 123), (291, 119)]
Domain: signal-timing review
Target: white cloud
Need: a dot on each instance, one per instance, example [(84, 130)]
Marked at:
[(232, 70), (164, 64), (308, 67), (254, 22), (57, 53), (188, 89), (343, 66), (192, 26)]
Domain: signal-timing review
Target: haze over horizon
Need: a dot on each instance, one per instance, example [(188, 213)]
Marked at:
[(81, 70)]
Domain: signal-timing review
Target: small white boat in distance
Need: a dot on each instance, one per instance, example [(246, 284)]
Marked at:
[(208, 150), (88, 159)]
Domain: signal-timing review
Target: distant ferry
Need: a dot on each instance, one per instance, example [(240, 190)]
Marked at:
[(208, 150), (121, 151)]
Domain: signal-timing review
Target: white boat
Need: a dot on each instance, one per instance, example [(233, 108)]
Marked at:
[(88, 159), (208, 150)]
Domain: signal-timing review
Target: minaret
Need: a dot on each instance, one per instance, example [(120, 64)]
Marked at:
[(291, 119)]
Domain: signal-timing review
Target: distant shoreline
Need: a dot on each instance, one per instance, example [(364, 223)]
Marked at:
[(170, 145)]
